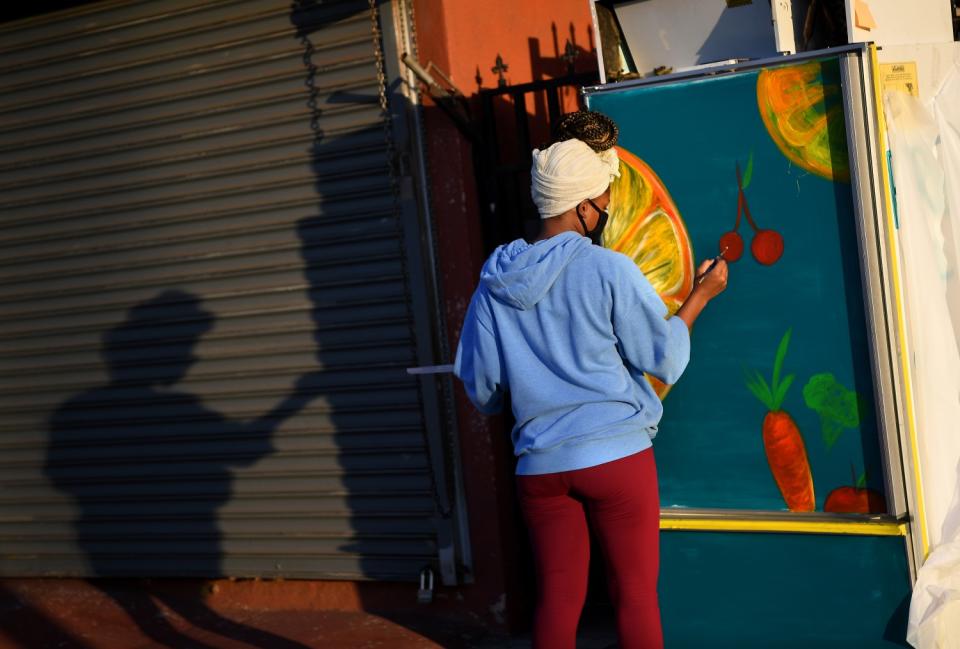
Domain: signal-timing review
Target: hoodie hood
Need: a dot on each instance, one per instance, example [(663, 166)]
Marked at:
[(520, 274)]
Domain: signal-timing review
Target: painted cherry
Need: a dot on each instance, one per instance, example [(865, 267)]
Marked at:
[(731, 243), (731, 246), (767, 247)]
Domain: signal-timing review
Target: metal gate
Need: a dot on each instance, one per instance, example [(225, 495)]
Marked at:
[(502, 154), (211, 283)]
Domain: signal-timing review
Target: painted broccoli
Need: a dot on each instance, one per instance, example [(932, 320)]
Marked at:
[(838, 407)]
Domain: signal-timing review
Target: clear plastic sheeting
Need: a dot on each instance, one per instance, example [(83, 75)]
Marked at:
[(925, 146)]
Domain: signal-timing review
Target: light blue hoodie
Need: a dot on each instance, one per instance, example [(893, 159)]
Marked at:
[(568, 328)]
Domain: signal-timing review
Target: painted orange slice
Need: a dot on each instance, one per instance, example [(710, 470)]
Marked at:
[(803, 114), (645, 225)]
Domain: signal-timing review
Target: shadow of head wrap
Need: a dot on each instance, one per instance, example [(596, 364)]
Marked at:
[(154, 344)]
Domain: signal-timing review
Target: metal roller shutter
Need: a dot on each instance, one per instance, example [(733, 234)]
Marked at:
[(211, 285)]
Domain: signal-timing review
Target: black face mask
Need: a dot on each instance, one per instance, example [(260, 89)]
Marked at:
[(595, 235)]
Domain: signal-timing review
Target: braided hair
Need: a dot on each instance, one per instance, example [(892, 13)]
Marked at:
[(597, 130)]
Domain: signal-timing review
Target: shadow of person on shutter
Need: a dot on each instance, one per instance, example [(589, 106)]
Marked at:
[(378, 522), (350, 248), (148, 466), (390, 511)]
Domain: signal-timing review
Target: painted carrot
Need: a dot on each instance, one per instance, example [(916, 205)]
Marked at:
[(782, 441)]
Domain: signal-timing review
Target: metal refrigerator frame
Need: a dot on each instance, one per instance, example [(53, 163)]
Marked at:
[(885, 317)]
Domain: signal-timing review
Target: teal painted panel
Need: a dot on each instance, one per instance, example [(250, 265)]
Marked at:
[(783, 591), (710, 449)]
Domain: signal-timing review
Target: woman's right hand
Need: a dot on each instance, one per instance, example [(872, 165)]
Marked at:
[(711, 284), (706, 286)]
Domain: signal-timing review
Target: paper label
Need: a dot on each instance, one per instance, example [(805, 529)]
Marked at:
[(862, 15), (900, 76)]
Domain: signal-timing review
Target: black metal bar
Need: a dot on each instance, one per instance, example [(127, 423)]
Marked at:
[(523, 124), (580, 79), (553, 106)]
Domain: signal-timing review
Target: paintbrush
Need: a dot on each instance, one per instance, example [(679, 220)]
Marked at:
[(712, 265)]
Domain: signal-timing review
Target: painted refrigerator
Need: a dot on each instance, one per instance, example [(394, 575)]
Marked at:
[(781, 482)]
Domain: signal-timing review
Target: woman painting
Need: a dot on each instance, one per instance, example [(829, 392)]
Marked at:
[(569, 328)]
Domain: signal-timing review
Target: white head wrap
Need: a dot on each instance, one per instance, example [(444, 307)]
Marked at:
[(568, 172)]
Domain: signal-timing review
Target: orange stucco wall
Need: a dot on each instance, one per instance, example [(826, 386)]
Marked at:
[(530, 35)]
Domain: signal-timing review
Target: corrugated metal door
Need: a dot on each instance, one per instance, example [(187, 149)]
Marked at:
[(210, 286)]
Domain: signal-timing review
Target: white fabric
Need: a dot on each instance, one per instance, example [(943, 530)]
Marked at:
[(568, 172), (935, 606), (925, 147)]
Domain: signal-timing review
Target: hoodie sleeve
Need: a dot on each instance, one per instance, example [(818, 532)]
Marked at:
[(478, 361), (648, 341)]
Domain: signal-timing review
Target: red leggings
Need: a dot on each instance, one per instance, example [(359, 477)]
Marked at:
[(623, 505)]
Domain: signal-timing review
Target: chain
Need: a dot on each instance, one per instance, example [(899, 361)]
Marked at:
[(393, 160), (311, 80), (378, 53)]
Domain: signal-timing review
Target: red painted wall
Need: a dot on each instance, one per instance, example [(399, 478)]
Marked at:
[(463, 39)]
